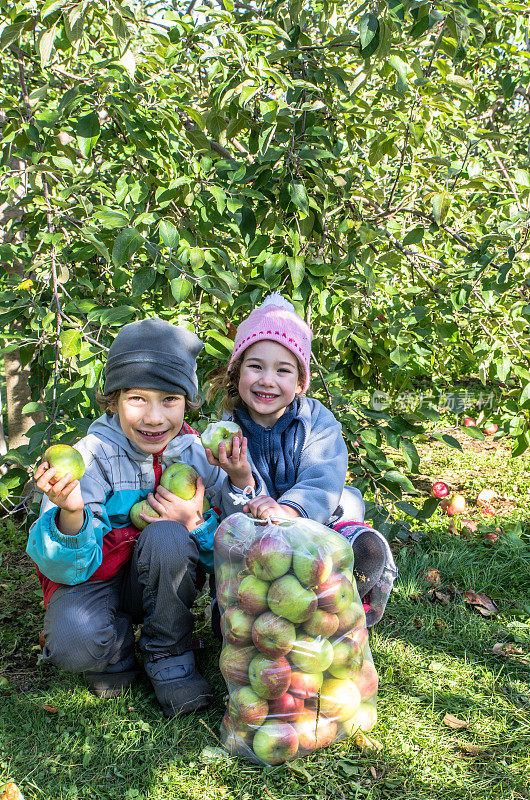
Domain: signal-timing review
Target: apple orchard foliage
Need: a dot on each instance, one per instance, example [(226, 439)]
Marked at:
[(370, 161)]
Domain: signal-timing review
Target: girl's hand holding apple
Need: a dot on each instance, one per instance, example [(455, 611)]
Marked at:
[(234, 461)]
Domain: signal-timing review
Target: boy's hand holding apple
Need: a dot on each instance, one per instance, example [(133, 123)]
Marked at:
[(264, 507), (65, 493), (172, 507)]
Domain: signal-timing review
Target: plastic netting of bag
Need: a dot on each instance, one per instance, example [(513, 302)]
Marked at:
[(295, 653)]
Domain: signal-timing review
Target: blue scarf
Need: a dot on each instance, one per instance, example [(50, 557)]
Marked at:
[(276, 450)]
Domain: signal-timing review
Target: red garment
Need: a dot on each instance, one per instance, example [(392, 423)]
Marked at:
[(118, 543)]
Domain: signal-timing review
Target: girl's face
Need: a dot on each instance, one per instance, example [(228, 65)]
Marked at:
[(268, 381), (150, 418)]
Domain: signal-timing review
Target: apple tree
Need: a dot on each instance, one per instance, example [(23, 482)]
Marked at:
[(370, 161)]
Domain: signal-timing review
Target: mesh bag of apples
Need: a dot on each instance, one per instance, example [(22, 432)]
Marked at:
[(295, 652)]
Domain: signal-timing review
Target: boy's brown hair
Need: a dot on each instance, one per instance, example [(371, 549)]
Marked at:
[(109, 402)]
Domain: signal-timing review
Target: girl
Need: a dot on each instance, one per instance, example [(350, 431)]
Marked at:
[(295, 444)]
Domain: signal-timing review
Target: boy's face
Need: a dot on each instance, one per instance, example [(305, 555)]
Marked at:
[(268, 381), (150, 418)]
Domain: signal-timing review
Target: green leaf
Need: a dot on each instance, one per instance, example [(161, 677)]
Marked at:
[(393, 476), (197, 258), (88, 131), (297, 270), (368, 29), (52, 5), (125, 245), (448, 440), (180, 288), (298, 195), (11, 33), (121, 31), (412, 456), (522, 443), (414, 236), (474, 432), (46, 46), (441, 203), (142, 280), (220, 197), (168, 233), (70, 343)]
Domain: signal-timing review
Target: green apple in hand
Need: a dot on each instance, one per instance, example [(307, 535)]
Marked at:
[(65, 459), (218, 432), (142, 507)]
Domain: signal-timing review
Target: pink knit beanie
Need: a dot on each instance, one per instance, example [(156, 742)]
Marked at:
[(277, 320)]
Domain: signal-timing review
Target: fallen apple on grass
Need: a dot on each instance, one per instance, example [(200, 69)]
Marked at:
[(217, 432), (439, 489), (469, 422), (491, 428), (485, 497), (468, 526), (64, 459), (453, 505)]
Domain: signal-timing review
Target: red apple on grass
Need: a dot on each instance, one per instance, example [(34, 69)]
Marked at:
[(234, 663), (315, 731), (252, 595), (305, 684), (312, 655), (468, 526), (246, 708), (274, 636), (335, 594), (269, 556), (491, 428), (469, 422), (439, 489), (236, 626), (288, 598), (269, 677), (275, 742), (339, 699), (454, 505)]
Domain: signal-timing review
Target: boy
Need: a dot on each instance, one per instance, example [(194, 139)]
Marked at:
[(99, 574)]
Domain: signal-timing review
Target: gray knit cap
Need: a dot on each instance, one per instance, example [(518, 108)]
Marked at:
[(153, 354)]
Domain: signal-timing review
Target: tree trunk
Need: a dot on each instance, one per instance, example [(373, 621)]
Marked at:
[(18, 392)]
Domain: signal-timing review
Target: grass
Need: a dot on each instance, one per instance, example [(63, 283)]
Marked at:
[(434, 657)]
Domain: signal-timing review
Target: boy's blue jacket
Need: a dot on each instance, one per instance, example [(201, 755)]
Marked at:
[(319, 459), (117, 475)]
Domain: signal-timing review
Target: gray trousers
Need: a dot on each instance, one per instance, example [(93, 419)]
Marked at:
[(88, 627)]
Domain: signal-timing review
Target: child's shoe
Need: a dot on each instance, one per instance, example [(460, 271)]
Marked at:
[(115, 680), (177, 684), (374, 567)]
